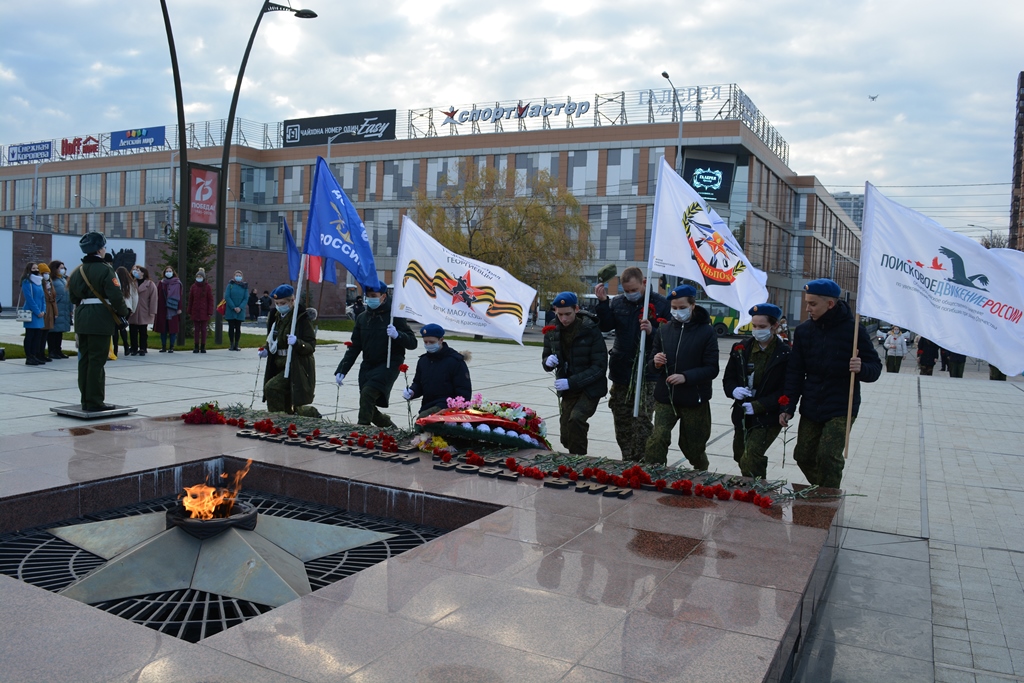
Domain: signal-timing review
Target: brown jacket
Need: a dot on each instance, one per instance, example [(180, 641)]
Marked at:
[(50, 294), (145, 311)]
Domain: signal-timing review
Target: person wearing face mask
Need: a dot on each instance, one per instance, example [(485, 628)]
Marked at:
[(686, 360), (35, 301), (96, 294), (50, 296), (292, 394), (754, 378), (169, 306), (131, 298), (370, 338), (441, 373), (62, 321), (236, 297), (575, 351), (624, 314), (200, 309), (895, 345), (819, 373), (144, 313)]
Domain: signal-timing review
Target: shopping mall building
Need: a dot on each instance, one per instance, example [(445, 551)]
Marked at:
[(604, 148)]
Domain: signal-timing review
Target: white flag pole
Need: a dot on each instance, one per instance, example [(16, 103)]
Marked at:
[(647, 302), (295, 313)]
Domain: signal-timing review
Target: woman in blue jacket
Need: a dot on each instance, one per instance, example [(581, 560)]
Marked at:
[(35, 335), (236, 297)]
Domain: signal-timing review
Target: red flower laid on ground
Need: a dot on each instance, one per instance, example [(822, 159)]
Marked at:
[(308, 438), (510, 463), (316, 432), (547, 328), (446, 457), (660, 484)]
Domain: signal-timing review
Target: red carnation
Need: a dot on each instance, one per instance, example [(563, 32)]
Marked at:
[(660, 484), (573, 476), (698, 490), (308, 439), (348, 343), (547, 328), (723, 495), (446, 457), (588, 472), (316, 432), (403, 368), (783, 401), (661, 321), (510, 463), (766, 502)]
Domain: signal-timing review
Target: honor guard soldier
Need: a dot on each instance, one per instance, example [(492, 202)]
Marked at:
[(575, 351), (294, 394), (370, 337), (819, 373), (625, 315), (99, 309), (755, 378)]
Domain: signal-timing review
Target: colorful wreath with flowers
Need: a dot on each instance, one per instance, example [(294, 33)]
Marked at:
[(504, 423)]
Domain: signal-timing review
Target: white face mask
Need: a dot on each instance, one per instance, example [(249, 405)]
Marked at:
[(169, 274), (634, 296), (681, 314), (238, 278), (137, 274), (46, 276), (200, 279), (762, 335), (63, 271)]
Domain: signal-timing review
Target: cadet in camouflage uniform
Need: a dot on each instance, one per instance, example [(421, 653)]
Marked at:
[(624, 314), (94, 322), (686, 360), (293, 394), (576, 352), (755, 377), (819, 373)]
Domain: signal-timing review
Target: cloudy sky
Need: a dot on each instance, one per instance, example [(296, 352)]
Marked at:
[(939, 137)]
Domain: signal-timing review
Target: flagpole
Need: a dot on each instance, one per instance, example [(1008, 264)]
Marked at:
[(295, 313), (638, 384), (853, 380)]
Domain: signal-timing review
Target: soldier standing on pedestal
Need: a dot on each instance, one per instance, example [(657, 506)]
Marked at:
[(98, 301)]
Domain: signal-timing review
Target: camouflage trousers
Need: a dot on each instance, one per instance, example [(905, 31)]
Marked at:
[(694, 432), (819, 450), (631, 433), (575, 410), (749, 446), (278, 394)]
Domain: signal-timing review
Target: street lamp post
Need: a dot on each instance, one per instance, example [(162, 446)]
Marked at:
[(184, 205), (679, 106), (226, 156), (329, 141)]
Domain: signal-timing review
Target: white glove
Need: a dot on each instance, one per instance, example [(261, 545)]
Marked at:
[(407, 394), (339, 378), (740, 393), (551, 361), (263, 353), (748, 409), (392, 332), (292, 339), (561, 385)]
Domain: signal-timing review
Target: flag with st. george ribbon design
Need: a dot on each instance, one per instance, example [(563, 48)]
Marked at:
[(335, 231), (689, 239), (942, 285)]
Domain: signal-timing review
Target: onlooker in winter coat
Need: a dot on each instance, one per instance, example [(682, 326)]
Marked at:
[(144, 313), (895, 345), (130, 291), (927, 353), (169, 306), (236, 297), (34, 301), (62, 321), (200, 310), (254, 305)]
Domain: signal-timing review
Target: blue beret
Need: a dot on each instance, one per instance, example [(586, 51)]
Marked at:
[(432, 330), (283, 292), (566, 299), (823, 287), (681, 291), (770, 310)]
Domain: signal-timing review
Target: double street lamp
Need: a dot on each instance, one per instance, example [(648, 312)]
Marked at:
[(679, 107)]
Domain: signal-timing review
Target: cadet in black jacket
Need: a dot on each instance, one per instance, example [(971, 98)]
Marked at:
[(441, 373), (625, 315), (686, 360), (576, 351), (819, 372), (755, 377)]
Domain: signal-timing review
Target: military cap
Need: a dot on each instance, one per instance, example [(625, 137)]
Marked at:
[(607, 273), (823, 287), (681, 291), (283, 292), (770, 310), (92, 242), (565, 299), (432, 330)]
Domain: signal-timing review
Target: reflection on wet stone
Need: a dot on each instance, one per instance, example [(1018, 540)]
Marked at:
[(658, 546), (686, 502)]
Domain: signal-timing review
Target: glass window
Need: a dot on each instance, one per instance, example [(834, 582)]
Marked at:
[(382, 227), (158, 185), (293, 184), (582, 174), (89, 194), (623, 172), (370, 186), (56, 190), (259, 185), (114, 189), (612, 231), (401, 179), (442, 174), (115, 224), (347, 176), (23, 194), (528, 166), (132, 187)]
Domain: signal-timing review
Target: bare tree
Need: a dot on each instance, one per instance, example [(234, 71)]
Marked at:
[(995, 241), (530, 226)]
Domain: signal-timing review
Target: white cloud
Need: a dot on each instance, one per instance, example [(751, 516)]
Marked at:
[(6, 74)]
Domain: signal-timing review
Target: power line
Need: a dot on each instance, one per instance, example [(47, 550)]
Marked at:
[(956, 185)]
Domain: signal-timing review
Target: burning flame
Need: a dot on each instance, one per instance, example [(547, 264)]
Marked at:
[(206, 502)]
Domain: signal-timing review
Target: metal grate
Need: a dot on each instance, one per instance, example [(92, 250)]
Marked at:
[(41, 559)]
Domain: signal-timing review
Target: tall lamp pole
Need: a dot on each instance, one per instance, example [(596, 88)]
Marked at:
[(679, 106), (222, 186)]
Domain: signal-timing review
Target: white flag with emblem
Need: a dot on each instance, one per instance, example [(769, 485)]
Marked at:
[(940, 284), (690, 240), (433, 284)]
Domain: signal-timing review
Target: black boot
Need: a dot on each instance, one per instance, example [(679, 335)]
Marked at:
[(195, 349), (202, 349)]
